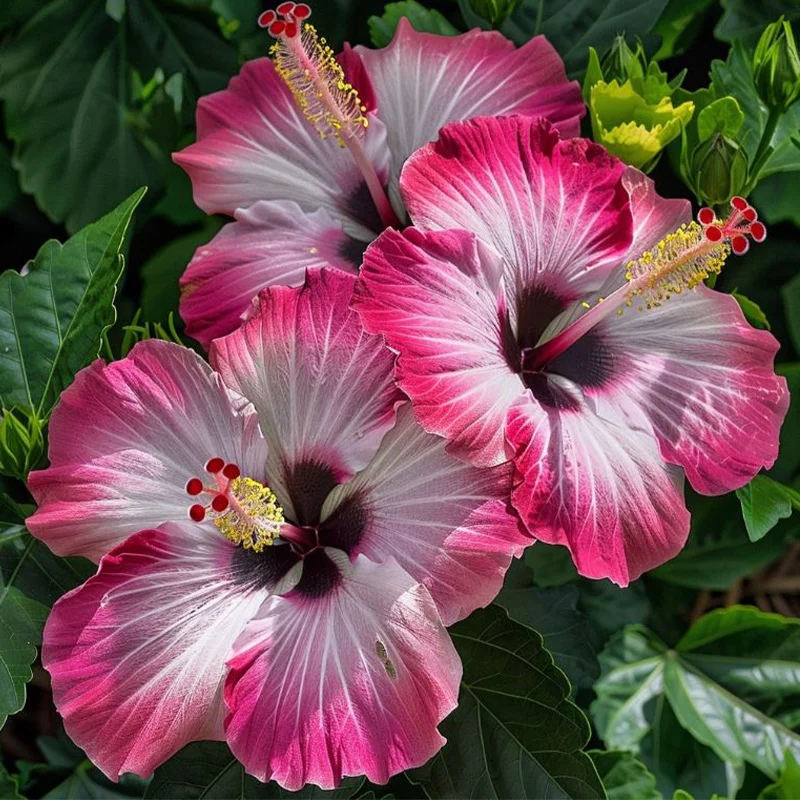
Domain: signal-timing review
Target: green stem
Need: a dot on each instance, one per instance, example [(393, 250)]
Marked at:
[(763, 152)]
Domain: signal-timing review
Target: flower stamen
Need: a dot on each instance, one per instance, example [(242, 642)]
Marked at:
[(245, 511), (682, 260), (317, 81)]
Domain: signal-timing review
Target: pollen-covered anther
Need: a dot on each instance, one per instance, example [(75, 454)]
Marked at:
[(316, 79), (253, 517)]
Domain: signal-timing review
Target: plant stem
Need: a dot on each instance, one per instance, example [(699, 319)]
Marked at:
[(763, 152)]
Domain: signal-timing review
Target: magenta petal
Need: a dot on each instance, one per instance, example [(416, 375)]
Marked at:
[(423, 81), (350, 683), (446, 523), (705, 379), (556, 210), (270, 243), (125, 439), (253, 143), (323, 387), (590, 476), (437, 298), (137, 654)]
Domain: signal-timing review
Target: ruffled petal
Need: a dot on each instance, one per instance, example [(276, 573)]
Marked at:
[(124, 441), (137, 654), (270, 243), (706, 381), (556, 210), (590, 476), (437, 298), (350, 683), (423, 81), (323, 387), (446, 523), (253, 143)]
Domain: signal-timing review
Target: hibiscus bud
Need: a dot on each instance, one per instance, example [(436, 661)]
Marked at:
[(495, 11), (621, 62), (21, 443), (720, 170), (776, 66)]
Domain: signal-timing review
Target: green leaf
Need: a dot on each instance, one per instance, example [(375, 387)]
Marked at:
[(734, 77), (788, 461), (778, 199), (9, 788), (765, 502), (609, 607), (31, 579), (161, 272), (726, 680), (208, 770), (381, 29), (573, 25), (787, 787), (554, 614), (744, 21), (624, 776), (551, 564), (515, 732), (85, 135), (88, 783), (9, 184), (790, 293), (723, 116), (52, 319), (679, 25), (752, 311), (719, 550)]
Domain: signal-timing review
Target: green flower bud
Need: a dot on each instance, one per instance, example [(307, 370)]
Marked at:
[(632, 128), (622, 63), (776, 66), (495, 11), (719, 169), (21, 443)]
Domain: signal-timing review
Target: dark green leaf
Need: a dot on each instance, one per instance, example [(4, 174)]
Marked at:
[(85, 135), (752, 311), (160, 274), (381, 29), (551, 564), (788, 461), (573, 25), (88, 783), (609, 607), (765, 502), (52, 319), (208, 770), (624, 776), (515, 732), (680, 23), (791, 304), (553, 613), (725, 681), (9, 184), (9, 788), (719, 551), (777, 199), (744, 21)]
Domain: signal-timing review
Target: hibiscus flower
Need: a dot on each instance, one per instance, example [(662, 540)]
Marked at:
[(275, 571), (305, 151), (507, 347)]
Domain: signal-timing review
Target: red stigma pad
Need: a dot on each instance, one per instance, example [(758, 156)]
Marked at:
[(194, 486), (197, 513), (758, 231), (219, 503), (291, 29), (277, 28), (705, 216), (739, 203), (267, 18), (285, 8), (214, 465), (713, 234), (740, 245), (231, 472), (302, 11)]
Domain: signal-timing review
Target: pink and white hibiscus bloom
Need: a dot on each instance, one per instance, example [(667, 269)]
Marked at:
[(317, 648), (311, 183), (509, 311)]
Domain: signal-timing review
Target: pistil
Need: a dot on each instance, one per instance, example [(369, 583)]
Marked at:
[(679, 262), (316, 79)]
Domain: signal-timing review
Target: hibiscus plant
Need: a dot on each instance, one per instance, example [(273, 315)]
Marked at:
[(399, 400)]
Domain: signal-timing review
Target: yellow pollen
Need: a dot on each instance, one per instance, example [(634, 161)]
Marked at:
[(253, 518), (682, 260), (316, 79)]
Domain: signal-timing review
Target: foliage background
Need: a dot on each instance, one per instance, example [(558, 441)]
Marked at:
[(95, 95)]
